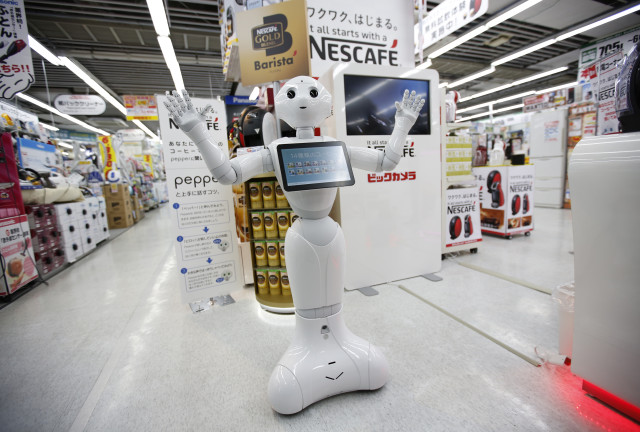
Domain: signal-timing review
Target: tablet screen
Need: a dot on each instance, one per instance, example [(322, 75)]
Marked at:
[(314, 165)]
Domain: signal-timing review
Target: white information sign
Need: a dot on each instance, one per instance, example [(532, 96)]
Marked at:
[(80, 104), (447, 17), (207, 249), (16, 68), (355, 32)]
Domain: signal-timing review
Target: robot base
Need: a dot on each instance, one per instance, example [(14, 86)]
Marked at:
[(323, 360)]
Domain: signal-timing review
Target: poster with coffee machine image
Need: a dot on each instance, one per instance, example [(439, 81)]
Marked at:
[(507, 198), (463, 216)]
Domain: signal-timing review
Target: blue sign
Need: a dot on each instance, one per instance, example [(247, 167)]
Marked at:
[(239, 100)]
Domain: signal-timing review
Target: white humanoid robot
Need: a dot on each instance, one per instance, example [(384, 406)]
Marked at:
[(324, 358)]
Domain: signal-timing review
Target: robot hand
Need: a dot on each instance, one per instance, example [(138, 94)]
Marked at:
[(408, 110), (193, 124), (182, 111)]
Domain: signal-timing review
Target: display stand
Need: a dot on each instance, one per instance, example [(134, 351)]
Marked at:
[(267, 244), (507, 199), (460, 231)]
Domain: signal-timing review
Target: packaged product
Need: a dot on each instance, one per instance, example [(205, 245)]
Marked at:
[(257, 221), (261, 282), (281, 199), (268, 195), (273, 254), (261, 254), (255, 195), (283, 223), (270, 225), (274, 282)]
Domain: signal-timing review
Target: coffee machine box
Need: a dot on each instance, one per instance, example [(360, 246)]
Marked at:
[(17, 253)]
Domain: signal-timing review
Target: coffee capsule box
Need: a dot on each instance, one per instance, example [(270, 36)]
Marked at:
[(283, 223), (262, 282), (283, 263), (268, 195), (284, 284), (257, 222), (281, 199), (260, 254), (255, 195), (273, 254), (292, 217), (274, 282), (270, 225)]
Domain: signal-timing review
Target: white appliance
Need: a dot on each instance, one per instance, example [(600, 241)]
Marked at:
[(604, 172), (548, 149)]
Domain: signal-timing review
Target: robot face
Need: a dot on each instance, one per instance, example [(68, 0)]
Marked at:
[(303, 102)]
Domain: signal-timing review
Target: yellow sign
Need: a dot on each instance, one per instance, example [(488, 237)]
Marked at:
[(147, 159), (108, 154), (141, 107), (273, 42)]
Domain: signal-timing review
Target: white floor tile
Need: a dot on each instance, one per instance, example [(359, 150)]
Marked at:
[(122, 353)]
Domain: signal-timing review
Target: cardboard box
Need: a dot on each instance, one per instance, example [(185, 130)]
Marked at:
[(115, 192), (15, 247), (119, 220), (40, 216)]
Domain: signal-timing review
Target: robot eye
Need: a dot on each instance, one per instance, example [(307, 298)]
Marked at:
[(313, 93), (291, 94)]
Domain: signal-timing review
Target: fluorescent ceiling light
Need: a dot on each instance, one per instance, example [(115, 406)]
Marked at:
[(64, 144), (420, 67), (481, 29), (172, 62), (598, 23), (497, 101), (159, 17), (443, 84), (145, 129), (47, 126), (487, 114), (93, 84), (58, 113), (40, 49), (255, 93), (523, 52), (550, 89), (515, 83), (472, 77)]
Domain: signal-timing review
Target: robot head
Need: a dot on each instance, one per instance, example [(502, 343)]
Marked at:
[(303, 102)]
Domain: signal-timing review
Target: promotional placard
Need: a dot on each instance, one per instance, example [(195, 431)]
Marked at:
[(108, 153), (447, 17), (16, 68), (36, 155), (506, 197), (353, 32), (141, 107), (16, 118), (463, 216), (80, 104), (607, 75), (273, 42), (206, 244), (17, 254)]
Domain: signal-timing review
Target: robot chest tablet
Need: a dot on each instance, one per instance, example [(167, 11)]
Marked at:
[(314, 165)]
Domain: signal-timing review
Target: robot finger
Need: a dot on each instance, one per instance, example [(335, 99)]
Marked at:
[(187, 99), (180, 101), (409, 101), (207, 109), (170, 108), (416, 102), (405, 95), (420, 105)]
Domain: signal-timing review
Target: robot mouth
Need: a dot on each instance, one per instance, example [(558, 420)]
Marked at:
[(303, 107)]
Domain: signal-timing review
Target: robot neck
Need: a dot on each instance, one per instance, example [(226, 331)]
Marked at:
[(305, 132)]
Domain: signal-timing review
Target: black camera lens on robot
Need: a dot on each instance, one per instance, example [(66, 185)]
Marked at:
[(291, 94), (313, 93)]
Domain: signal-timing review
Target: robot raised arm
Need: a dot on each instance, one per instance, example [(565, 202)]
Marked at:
[(193, 125), (376, 160)]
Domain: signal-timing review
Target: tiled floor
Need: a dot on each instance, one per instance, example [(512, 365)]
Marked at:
[(108, 346)]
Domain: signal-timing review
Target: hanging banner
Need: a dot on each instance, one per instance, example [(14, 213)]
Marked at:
[(205, 238), (273, 42), (596, 56), (80, 104), (447, 17), (66, 134), (141, 107), (607, 75), (148, 159), (16, 69), (108, 154), (548, 100), (353, 32)]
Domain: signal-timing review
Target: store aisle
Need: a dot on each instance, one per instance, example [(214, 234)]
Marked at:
[(108, 346)]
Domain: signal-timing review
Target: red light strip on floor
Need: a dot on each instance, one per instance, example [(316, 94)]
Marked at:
[(611, 399)]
